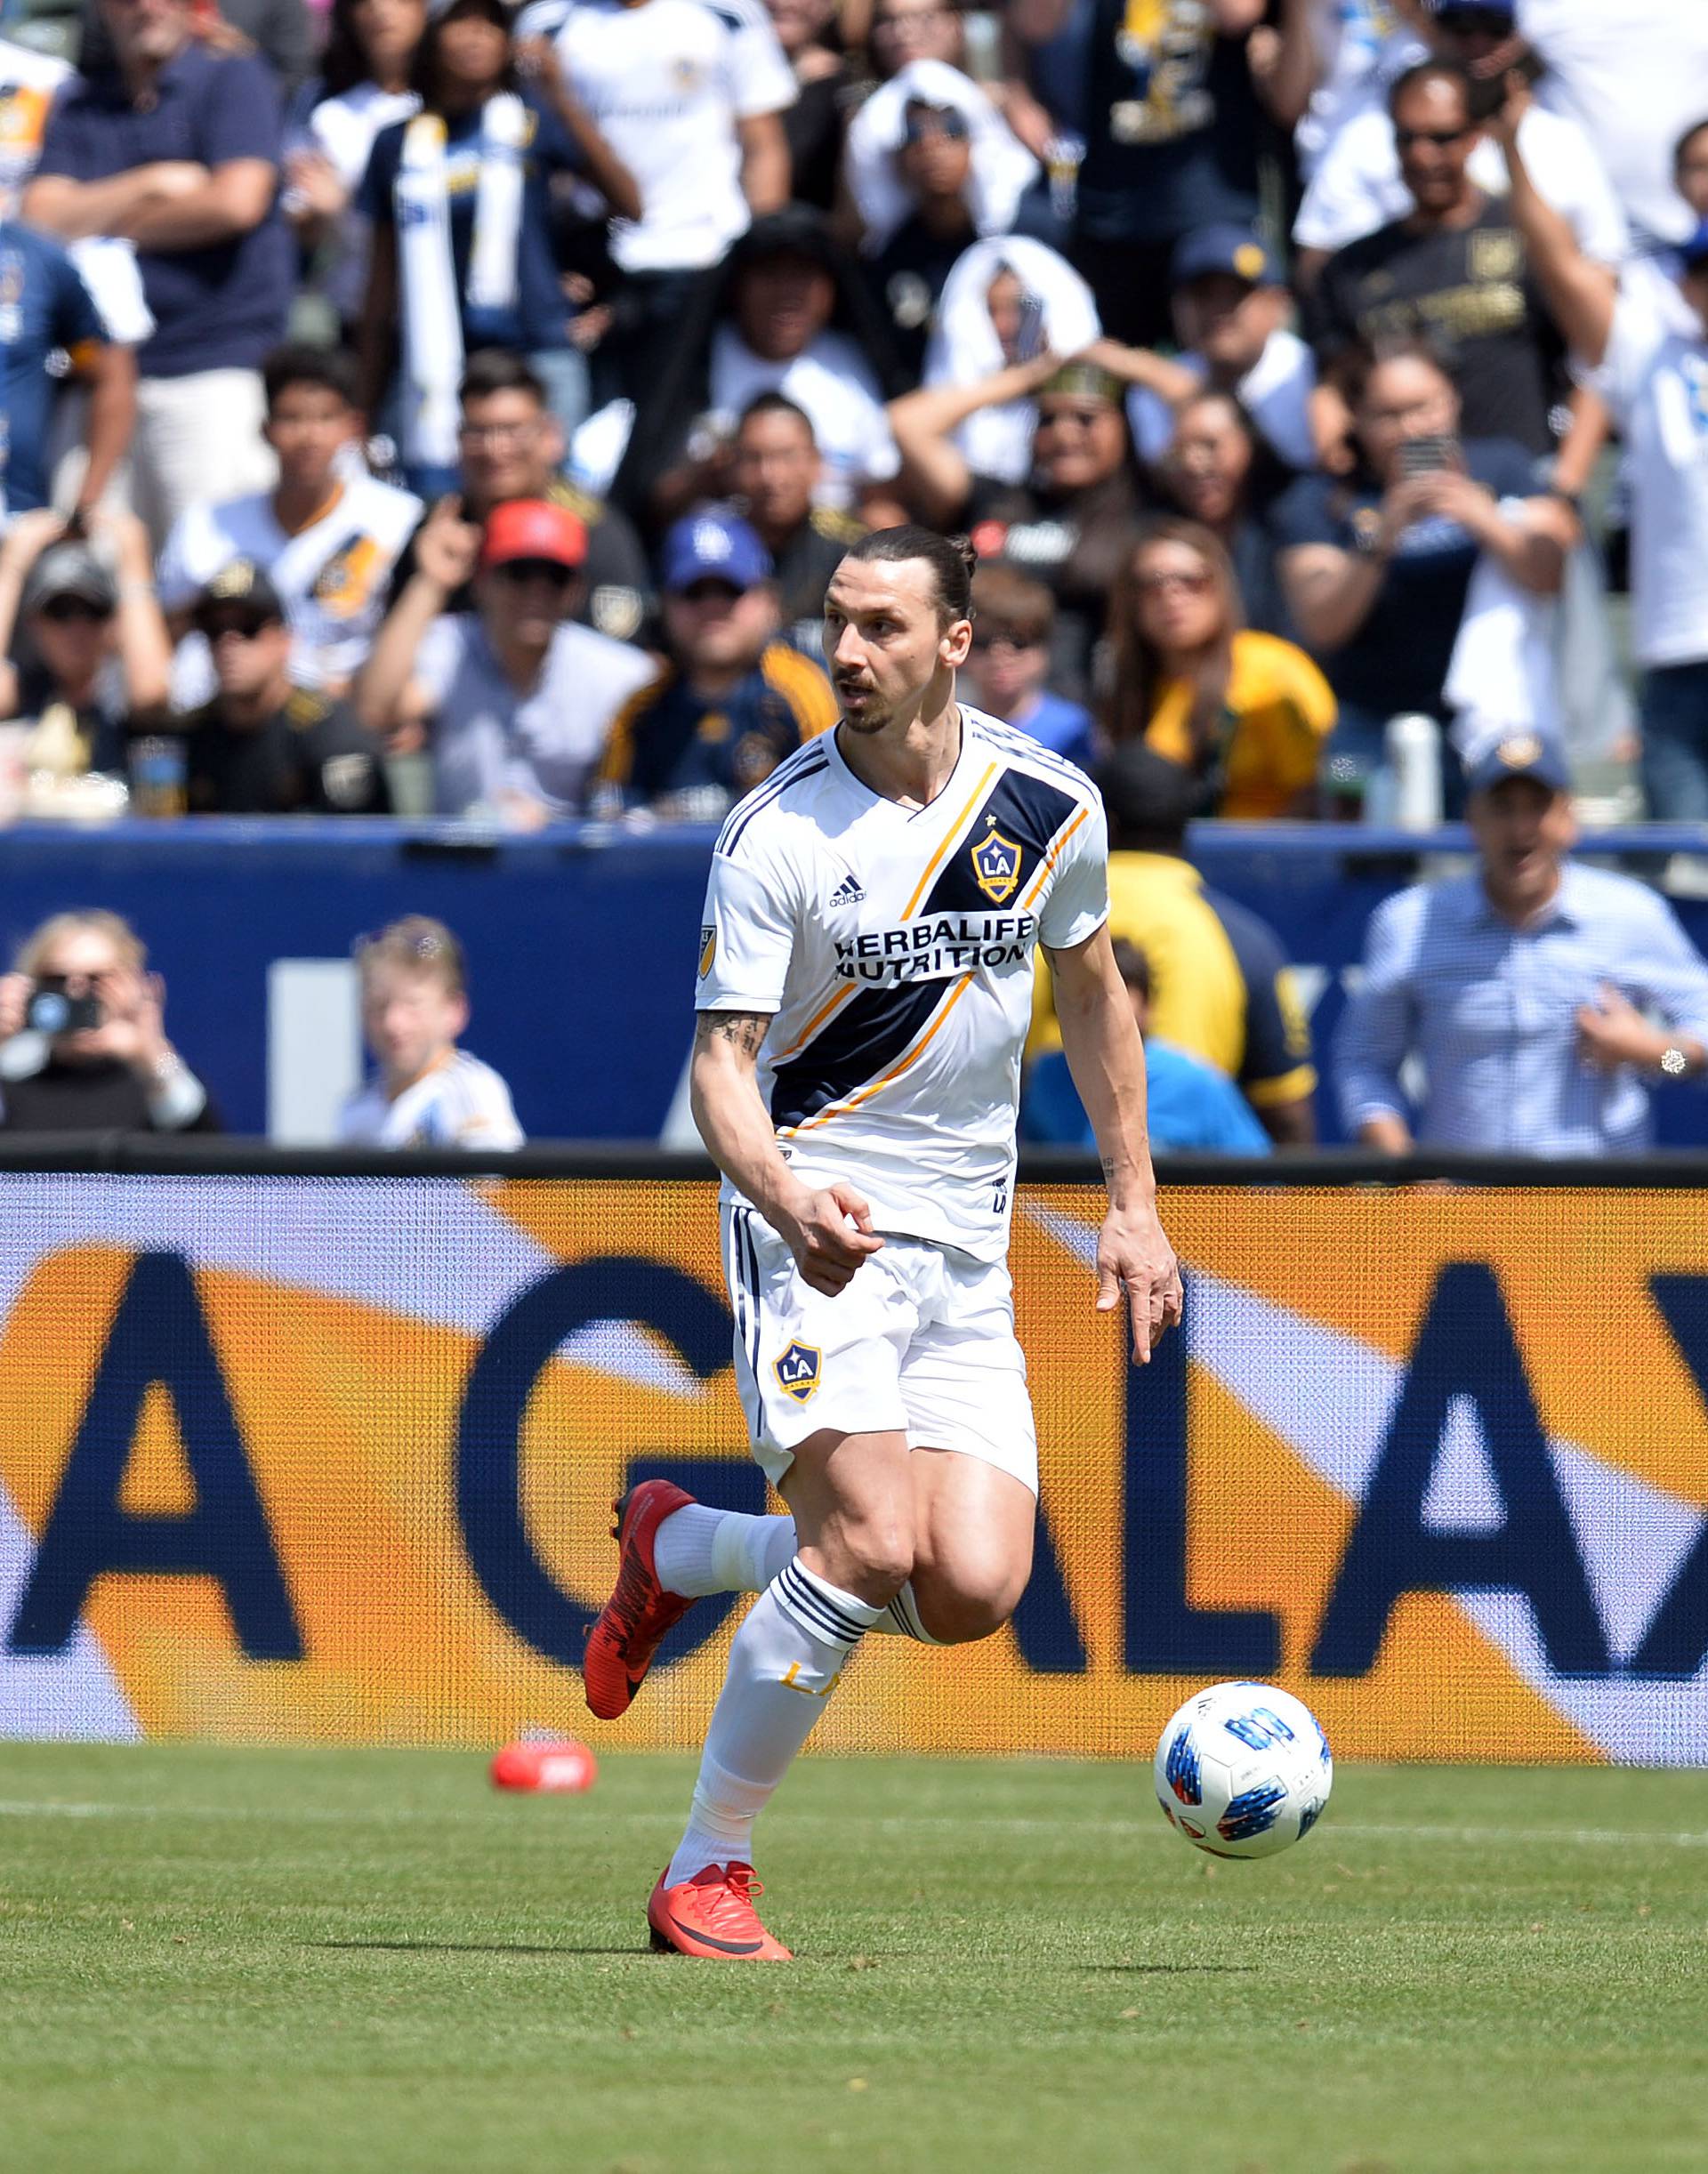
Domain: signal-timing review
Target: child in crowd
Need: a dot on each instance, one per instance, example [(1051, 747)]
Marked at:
[(427, 1093)]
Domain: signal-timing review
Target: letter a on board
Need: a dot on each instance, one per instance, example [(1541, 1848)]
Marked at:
[(158, 1336)]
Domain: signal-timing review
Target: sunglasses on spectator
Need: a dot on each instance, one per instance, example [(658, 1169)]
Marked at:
[(1004, 638), (520, 570), (245, 624), (1161, 582), (1469, 21), (1441, 138), (64, 610), (711, 587)]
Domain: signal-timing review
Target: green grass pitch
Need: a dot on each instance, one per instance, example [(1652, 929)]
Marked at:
[(246, 1961)]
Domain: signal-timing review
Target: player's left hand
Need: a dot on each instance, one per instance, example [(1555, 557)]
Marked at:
[(1133, 1256)]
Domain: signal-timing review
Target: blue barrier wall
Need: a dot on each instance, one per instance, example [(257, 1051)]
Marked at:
[(581, 943)]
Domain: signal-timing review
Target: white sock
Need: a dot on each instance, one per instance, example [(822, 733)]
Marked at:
[(784, 1663), (700, 1550)]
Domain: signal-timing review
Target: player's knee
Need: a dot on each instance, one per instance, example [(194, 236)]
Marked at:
[(973, 1603), (873, 1557)]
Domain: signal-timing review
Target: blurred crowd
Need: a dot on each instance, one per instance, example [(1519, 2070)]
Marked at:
[(435, 407), (432, 406)]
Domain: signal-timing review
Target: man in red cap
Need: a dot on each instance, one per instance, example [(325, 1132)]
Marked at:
[(514, 697)]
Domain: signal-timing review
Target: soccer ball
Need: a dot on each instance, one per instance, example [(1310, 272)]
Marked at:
[(1243, 1769)]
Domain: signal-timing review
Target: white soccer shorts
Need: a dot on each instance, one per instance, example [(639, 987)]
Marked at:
[(920, 1341)]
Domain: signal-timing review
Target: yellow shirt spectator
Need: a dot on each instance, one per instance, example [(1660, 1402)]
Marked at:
[(1276, 713)]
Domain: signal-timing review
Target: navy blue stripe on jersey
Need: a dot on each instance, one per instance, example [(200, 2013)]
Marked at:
[(1008, 740), (750, 1256), (1019, 810), (778, 783), (859, 1044), (743, 1289)]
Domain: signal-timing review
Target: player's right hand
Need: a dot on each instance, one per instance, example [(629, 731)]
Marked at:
[(829, 1236)]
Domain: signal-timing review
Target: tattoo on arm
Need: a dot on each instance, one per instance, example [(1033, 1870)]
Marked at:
[(745, 1030)]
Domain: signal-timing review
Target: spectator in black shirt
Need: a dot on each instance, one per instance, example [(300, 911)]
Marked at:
[(934, 164), (818, 121), (1453, 271), (1069, 524), (774, 471), (263, 746), (1174, 125), (83, 1039)]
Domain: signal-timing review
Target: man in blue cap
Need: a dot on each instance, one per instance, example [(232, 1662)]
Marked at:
[(733, 700), (1648, 344), (1522, 989), (1233, 322)]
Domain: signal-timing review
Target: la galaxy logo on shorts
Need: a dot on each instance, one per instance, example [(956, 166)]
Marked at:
[(708, 947), (996, 866), (797, 1370)]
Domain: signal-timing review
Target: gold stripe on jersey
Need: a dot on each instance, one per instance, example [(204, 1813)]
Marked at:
[(818, 1019), (1050, 857), (951, 837), (865, 1094)]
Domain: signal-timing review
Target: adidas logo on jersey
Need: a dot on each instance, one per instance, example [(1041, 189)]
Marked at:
[(848, 892)]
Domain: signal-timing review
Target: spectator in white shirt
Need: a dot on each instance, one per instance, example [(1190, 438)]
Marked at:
[(1651, 365), (427, 1092), (788, 313), (327, 535), (1631, 76), (364, 87), (514, 699), (690, 97), (1359, 186)]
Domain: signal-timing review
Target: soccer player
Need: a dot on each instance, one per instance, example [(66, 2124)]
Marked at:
[(869, 929)]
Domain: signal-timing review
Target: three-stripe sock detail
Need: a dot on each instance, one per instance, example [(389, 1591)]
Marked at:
[(823, 1610)]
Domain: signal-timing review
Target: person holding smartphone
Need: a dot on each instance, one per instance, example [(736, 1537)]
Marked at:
[(83, 1038), (1376, 565)]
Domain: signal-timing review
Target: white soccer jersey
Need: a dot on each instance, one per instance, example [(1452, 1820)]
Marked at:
[(894, 948), (668, 82), (331, 577), (462, 1103)]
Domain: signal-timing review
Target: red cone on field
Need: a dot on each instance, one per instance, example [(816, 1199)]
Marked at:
[(564, 1764)]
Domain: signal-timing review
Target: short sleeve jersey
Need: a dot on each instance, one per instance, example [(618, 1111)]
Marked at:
[(43, 305), (893, 948), (668, 83)]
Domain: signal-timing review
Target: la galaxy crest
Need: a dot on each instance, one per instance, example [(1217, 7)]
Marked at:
[(797, 1370), (708, 946), (996, 866)]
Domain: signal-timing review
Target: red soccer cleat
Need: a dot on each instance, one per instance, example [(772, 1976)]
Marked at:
[(621, 1643), (711, 1916)]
